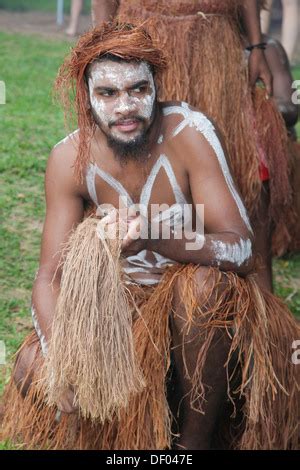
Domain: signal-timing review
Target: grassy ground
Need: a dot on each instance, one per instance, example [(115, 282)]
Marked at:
[(38, 5), (29, 126)]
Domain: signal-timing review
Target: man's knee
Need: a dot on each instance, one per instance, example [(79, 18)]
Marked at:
[(206, 283), (205, 288), (23, 370)]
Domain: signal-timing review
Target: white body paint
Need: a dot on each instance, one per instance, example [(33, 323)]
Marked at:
[(202, 124), (236, 253), (119, 76), (38, 330), (67, 138), (147, 266)]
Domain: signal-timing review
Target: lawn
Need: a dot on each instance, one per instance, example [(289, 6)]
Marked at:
[(38, 5), (30, 124)]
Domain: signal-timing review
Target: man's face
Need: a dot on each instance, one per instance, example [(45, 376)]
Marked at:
[(122, 96)]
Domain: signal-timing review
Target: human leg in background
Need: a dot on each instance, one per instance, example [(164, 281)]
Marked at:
[(265, 17), (76, 7), (290, 26), (103, 10)]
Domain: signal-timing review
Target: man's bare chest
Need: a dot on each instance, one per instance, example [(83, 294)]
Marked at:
[(160, 181)]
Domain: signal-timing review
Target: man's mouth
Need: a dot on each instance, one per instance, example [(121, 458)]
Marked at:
[(127, 125)]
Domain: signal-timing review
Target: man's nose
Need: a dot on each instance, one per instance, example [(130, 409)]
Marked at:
[(125, 104)]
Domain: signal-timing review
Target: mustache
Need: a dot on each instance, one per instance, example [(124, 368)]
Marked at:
[(129, 118)]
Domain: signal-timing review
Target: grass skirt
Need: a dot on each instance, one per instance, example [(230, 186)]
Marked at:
[(263, 377)]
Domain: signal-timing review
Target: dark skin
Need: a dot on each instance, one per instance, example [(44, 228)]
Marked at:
[(202, 181), (258, 69), (282, 82), (258, 66), (282, 92), (103, 10)]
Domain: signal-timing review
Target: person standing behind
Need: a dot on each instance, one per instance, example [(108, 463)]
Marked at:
[(290, 23), (76, 7), (103, 10)]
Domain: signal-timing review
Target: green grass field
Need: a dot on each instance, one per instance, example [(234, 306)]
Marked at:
[(38, 5), (30, 124)]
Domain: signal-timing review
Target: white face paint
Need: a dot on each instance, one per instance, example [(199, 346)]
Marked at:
[(160, 139), (236, 253), (120, 94)]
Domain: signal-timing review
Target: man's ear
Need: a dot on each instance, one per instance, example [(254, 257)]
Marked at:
[(87, 92)]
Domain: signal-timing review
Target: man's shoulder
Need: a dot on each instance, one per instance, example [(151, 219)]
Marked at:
[(60, 165), (174, 107), (64, 153), (182, 118), (68, 144)]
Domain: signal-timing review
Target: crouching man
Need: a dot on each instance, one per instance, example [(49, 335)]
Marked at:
[(191, 294)]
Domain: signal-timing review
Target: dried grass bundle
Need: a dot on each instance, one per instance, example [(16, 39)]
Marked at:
[(91, 347)]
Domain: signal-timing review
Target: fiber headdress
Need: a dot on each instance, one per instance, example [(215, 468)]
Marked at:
[(123, 40)]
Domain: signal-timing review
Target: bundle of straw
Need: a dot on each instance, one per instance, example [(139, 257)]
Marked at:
[(91, 348)]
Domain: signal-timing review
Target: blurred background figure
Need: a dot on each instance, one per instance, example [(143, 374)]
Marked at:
[(290, 23), (103, 10), (76, 7)]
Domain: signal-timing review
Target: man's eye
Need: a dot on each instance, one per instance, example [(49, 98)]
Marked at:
[(107, 93), (140, 89)]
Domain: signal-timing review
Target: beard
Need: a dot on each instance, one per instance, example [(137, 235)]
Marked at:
[(136, 149)]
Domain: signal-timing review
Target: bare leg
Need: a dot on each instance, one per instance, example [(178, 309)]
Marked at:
[(23, 371), (196, 429), (265, 17), (282, 81), (289, 26), (103, 10), (23, 375), (76, 7), (262, 231)]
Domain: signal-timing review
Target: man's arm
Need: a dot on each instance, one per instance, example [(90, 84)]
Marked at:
[(103, 10), (283, 81), (228, 236), (258, 67), (64, 210)]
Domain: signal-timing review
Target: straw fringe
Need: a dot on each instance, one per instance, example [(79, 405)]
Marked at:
[(93, 310), (286, 237), (262, 331), (208, 69)]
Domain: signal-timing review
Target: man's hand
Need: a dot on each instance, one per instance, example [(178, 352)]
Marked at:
[(132, 242), (66, 402), (259, 69), (127, 228)]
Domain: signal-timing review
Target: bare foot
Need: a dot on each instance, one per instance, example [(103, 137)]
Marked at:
[(70, 32)]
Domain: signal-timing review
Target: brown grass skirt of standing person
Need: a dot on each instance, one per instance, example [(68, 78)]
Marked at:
[(208, 69), (111, 340)]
